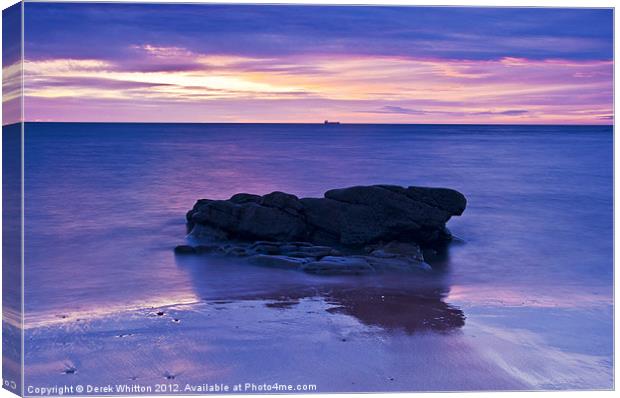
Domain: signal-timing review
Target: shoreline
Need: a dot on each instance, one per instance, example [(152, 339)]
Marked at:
[(236, 323)]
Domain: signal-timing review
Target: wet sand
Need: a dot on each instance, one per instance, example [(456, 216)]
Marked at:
[(380, 333)]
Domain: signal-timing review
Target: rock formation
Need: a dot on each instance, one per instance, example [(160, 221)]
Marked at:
[(355, 216), (351, 230)]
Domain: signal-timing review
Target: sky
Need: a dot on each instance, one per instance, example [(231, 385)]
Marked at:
[(250, 63)]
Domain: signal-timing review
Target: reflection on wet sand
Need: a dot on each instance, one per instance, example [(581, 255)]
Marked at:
[(394, 302), (398, 310)]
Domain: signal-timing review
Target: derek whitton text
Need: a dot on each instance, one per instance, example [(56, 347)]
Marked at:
[(165, 388)]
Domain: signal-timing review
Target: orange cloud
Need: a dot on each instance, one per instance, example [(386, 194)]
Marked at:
[(351, 88)]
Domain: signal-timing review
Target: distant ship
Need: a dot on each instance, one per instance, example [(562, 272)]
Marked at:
[(328, 122)]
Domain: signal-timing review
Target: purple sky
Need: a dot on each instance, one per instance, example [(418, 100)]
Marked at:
[(221, 63)]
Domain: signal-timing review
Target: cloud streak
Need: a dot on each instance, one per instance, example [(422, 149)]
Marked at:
[(390, 109), (305, 64), (474, 33)]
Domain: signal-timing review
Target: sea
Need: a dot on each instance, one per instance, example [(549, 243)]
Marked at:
[(522, 300)]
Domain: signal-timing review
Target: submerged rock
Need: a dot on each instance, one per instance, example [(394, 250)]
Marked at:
[(397, 250), (321, 260), (354, 216), (331, 265), (278, 261), (187, 249)]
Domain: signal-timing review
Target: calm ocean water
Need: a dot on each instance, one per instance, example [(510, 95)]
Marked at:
[(105, 205)]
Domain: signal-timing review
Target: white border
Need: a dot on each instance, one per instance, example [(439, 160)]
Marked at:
[(479, 3)]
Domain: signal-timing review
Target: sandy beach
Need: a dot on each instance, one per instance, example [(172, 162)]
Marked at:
[(326, 335)]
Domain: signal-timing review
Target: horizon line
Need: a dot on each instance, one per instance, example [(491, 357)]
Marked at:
[(321, 123)]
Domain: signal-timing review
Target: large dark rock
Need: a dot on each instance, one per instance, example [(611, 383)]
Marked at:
[(354, 216)]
